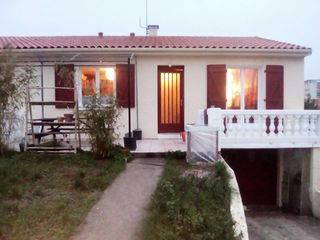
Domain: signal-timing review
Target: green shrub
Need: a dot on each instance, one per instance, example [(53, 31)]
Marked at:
[(101, 124), (190, 207)]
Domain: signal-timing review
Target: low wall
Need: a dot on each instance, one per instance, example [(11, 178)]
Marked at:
[(236, 208)]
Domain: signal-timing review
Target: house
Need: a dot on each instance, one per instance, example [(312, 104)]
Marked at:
[(312, 90), (251, 79)]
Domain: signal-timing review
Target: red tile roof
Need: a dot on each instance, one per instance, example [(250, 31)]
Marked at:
[(133, 42)]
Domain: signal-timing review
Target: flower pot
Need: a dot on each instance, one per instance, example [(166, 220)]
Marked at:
[(68, 117), (183, 136), (60, 119), (130, 143), (137, 134)]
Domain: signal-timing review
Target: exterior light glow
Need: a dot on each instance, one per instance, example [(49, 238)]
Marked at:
[(110, 74)]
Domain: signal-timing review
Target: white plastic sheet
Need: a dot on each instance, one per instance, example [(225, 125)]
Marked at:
[(202, 144)]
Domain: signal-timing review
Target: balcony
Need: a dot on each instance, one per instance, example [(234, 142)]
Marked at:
[(266, 128)]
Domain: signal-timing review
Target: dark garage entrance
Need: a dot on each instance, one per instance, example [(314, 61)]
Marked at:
[(256, 172)]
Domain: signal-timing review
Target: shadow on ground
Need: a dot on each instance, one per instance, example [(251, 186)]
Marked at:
[(276, 225)]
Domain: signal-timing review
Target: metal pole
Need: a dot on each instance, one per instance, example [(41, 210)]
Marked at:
[(147, 13), (137, 93), (129, 102), (42, 93)]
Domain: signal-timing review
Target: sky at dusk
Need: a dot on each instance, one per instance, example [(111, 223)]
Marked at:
[(293, 21)]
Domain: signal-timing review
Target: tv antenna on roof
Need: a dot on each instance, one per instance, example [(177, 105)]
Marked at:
[(146, 23), (151, 30)]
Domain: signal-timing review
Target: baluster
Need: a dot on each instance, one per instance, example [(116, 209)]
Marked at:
[(317, 124), (248, 130), (280, 125), (312, 126), (232, 126), (242, 126), (227, 117), (296, 127), (272, 126), (305, 125), (237, 126), (288, 125), (257, 124), (264, 125), (222, 127)]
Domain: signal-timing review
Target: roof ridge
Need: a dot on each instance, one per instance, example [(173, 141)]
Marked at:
[(152, 42), (191, 36)]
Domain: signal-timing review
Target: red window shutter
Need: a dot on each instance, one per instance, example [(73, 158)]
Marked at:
[(64, 77), (216, 86), (274, 85), (122, 85)]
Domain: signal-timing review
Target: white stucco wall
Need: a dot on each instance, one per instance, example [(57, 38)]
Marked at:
[(195, 84)]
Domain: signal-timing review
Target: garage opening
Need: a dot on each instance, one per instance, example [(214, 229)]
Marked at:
[(256, 172)]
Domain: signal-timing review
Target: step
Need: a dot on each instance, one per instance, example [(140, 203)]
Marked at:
[(48, 103), (39, 148)]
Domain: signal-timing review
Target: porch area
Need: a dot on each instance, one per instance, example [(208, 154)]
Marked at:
[(256, 129), (248, 129)]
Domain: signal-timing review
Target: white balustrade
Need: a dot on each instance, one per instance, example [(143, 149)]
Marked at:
[(268, 128)]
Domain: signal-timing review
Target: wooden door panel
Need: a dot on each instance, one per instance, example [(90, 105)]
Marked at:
[(170, 99)]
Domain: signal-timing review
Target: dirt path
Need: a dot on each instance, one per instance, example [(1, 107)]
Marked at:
[(118, 214), (275, 225)]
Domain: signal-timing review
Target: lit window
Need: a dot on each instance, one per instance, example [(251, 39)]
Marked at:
[(242, 88), (99, 81), (107, 77), (233, 89)]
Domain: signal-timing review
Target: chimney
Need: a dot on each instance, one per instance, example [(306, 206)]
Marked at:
[(152, 30), (100, 34), (132, 34)]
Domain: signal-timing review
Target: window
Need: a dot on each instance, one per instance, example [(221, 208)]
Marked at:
[(97, 80), (242, 88)]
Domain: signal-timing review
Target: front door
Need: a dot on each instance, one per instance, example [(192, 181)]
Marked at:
[(170, 99)]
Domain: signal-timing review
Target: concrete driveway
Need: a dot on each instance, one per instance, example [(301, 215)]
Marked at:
[(275, 225)]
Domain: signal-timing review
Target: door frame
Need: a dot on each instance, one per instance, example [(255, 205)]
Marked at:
[(171, 69)]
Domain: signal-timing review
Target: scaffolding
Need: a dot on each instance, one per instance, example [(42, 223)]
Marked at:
[(48, 126)]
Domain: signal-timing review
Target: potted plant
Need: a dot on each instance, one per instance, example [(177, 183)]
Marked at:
[(68, 117), (137, 134), (130, 142)]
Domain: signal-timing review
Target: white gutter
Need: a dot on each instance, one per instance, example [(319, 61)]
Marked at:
[(214, 51)]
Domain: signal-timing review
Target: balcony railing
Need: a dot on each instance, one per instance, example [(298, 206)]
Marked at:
[(266, 128)]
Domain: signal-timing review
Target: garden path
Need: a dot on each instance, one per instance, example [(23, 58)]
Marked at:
[(122, 207)]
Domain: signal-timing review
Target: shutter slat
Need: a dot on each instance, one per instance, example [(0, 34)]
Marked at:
[(122, 85), (216, 86), (64, 77), (274, 85)]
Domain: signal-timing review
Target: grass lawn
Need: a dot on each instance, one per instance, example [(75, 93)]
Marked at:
[(190, 208), (47, 197)]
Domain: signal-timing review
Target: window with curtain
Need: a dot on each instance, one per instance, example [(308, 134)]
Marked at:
[(99, 81), (242, 88)]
